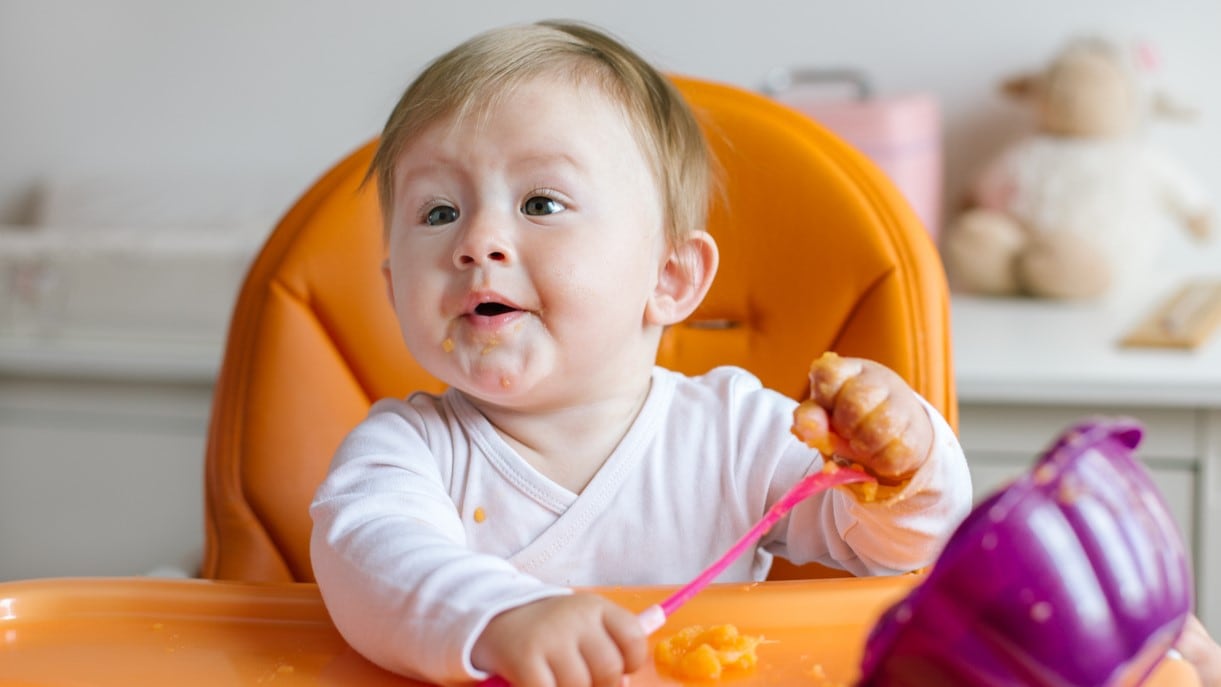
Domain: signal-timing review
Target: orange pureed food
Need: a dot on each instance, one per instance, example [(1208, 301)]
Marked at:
[(701, 652)]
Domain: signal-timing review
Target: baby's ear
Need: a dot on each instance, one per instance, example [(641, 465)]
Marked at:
[(684, 280)]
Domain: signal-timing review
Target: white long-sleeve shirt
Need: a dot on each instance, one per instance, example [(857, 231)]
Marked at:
[(429, 524)]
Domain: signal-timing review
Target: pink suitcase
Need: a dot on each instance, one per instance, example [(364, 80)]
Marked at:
[(901, 134)]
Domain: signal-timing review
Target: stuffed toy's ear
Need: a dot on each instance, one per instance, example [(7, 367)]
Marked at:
[(1021, 87)]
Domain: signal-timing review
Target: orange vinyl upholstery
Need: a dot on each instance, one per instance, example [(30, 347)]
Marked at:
[(818, 252)]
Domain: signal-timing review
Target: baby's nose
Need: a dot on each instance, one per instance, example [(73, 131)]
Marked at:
[(464, 259), (482, 244)]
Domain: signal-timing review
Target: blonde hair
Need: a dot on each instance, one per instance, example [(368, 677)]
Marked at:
[(469, 78)]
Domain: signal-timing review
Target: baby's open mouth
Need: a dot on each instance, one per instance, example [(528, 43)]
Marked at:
[(493, 309)]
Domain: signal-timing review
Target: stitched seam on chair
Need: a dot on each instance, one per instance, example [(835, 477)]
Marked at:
[(906, 258), (277, 289), (906, 261), (888, 219), (866, 294), (846, 160), (307, 304), (227, 426), (236, 372)]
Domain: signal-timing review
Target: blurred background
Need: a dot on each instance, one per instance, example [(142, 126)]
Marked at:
[(167, 137), (280, 89)]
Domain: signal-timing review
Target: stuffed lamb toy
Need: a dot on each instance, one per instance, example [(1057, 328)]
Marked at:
[(1079, 208)]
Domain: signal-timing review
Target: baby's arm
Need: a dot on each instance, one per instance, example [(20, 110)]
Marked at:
[(390, 555), (582, 639), (862, 412)]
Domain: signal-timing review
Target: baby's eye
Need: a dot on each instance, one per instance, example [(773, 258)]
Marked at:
[(542, 205), (441, 214)]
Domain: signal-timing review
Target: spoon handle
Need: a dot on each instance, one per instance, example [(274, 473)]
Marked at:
[(652, 618)]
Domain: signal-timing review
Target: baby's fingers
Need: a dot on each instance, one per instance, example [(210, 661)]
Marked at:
[(629, 638), (1201, 651), (601, 663), (881, 422), (812, 426), (852, 393), (889, 444), (828, 375)]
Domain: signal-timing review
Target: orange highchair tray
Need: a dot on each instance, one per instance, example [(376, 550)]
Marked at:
[(134, 632)]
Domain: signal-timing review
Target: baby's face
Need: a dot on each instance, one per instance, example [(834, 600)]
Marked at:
[(524, 247)]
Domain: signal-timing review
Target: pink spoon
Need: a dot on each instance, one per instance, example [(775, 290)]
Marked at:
[(652, 618)]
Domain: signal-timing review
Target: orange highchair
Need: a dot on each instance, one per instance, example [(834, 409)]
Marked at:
[(818, 252)]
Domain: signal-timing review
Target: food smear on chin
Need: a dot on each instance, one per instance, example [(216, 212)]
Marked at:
[(700, 652), (447, 345), (491, 342)]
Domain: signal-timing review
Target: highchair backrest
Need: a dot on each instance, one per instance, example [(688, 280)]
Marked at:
[(818, 252)]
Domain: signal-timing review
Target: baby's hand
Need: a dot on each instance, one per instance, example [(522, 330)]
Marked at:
[(864, 412), (1201, 651), (582, 640)]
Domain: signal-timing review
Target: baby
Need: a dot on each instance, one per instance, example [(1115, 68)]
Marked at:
[(544, 193)]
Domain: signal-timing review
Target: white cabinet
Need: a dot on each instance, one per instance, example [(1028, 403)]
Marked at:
[(1002, 441), (101, 457), (1026, 370)]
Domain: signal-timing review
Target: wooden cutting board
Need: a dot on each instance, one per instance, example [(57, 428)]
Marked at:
[(1184, 319)]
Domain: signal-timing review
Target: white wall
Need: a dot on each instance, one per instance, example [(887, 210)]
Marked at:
[(252, 88), (286, 87)]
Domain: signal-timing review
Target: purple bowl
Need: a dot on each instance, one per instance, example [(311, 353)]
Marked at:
[(1073, 574)]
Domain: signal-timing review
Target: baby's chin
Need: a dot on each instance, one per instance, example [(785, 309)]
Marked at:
[(504, 382), (494, 385), (492, 397)]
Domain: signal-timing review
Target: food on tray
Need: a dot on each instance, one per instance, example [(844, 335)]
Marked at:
[(701, 652), (819, 676)]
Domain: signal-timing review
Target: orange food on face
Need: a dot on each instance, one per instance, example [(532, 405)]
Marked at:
[(702, 652)]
